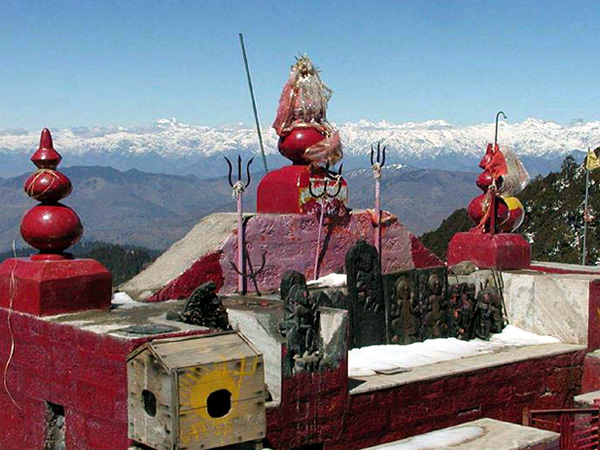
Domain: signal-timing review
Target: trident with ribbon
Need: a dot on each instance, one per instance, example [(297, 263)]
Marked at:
[(238, 188), (325, 194)]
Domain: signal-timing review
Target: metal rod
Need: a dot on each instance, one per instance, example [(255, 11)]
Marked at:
[(587, 183), (256, 118), (496, 134), (378, 212), (240, 249), (316, 275), (492, 191)]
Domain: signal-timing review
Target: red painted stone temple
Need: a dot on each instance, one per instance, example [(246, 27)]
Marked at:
[(161, 370)]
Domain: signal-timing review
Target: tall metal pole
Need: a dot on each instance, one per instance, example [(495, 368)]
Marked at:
[(587, 184), (256, 119)]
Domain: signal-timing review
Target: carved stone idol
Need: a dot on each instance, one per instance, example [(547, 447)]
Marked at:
[(203, 308), (365, 289), (433, 303), (404, 311), (460, 310), (482, 315), (299, 327)]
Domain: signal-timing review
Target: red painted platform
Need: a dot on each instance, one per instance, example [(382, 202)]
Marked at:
[(503, 251), (50, 287), (285, 191)]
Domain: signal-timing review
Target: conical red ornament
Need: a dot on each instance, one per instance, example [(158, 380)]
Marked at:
[(46, 157)]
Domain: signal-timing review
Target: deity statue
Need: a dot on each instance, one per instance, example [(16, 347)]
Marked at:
[(302, 118), (482, 316), (365, 289), (460, 310), (203, 308), (299, 327), (434, 317), (404, 313)]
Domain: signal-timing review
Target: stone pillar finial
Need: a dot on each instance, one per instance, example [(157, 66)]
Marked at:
[(50, 227)]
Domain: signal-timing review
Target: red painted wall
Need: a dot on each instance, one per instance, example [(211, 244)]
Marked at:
[(83, 371)]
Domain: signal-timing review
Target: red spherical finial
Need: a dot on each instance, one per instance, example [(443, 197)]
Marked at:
[(50, 227), (46, 157)]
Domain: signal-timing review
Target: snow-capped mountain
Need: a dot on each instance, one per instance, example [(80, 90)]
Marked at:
[(169, 146)]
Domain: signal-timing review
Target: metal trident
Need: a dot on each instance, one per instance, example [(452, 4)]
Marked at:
[(238, 192), (328, 175), (376, 164)]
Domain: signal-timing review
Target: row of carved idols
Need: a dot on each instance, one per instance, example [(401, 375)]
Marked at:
[(396, 308)]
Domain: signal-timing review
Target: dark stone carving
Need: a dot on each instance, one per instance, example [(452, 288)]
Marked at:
[(289, 279), (488, 315), (300, 324), (460, 310), (365, 289), (482, 316), (404, 312), (203, 308), (433, 303)]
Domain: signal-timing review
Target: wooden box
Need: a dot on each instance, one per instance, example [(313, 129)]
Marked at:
[(198, 392)]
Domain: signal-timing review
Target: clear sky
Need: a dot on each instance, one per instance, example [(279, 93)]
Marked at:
[(84, 63)]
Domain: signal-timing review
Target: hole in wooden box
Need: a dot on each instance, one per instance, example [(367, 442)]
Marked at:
[(218, 404), (149, 400)]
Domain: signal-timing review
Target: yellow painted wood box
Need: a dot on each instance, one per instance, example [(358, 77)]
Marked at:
[(198, 392)]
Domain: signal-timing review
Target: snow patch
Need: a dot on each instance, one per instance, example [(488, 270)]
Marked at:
[(124, 301), (333, 280), (367, 361)]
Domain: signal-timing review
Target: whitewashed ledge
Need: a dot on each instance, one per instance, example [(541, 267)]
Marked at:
[(460, 366), (478, 435)]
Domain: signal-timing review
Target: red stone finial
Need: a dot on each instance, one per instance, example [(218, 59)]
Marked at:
[(50, 227), (46, 157)]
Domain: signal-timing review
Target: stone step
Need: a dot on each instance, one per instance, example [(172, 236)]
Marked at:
[(586, 400), (477, 435)]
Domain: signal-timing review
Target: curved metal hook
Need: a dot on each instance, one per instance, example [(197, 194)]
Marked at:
[(248, 171), (230, 170), (496, 134)]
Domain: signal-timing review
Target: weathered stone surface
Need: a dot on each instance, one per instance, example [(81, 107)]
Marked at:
[(549, 304)]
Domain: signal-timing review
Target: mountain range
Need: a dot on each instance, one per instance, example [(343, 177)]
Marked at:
[(171, 147), (154, 210)]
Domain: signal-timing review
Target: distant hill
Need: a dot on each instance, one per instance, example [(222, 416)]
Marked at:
[(554, 220), (124, 262), (154, 210)]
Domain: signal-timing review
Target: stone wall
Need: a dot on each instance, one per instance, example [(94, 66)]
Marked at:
[(316, 408)]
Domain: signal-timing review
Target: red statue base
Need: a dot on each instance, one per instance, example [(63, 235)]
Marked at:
[(50, 287), (502, 251), (286, 191)]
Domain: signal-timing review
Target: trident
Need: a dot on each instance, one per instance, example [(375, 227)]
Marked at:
[(377, 164), (325, 194), (238, 192)]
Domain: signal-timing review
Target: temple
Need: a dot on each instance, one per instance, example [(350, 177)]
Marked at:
[(305, 325)]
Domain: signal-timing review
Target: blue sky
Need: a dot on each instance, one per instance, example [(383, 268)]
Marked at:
[(84, 63)]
